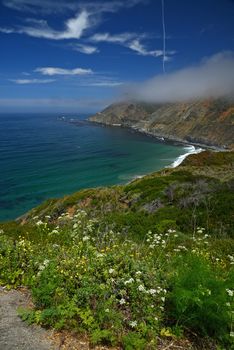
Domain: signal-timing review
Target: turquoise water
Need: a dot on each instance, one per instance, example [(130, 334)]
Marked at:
[(43, 157)]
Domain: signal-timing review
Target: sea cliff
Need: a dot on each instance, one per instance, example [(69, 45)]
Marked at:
[(208, 123)]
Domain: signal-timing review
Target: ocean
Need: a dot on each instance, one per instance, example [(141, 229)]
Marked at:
[(43, 156)]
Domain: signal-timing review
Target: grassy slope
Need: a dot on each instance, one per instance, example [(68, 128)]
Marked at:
[(129, 265), (199, 192)]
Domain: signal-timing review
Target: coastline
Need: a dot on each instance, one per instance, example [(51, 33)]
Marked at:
[(163, 138)]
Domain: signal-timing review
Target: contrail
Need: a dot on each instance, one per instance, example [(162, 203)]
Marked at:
[(164, 37)]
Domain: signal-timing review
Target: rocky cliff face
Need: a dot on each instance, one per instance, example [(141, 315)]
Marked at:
[(209, 122)]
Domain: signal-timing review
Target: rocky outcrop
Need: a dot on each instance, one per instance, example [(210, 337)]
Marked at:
[(208, 122)]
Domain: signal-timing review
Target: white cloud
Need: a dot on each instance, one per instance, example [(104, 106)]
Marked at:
[(31, 81), (113, 38), (213, 77), (86, 49), (7, 30), (61, 71), (132, 41), (103, 83), (74, 28), (106, 84), (135, 45), (52, 6)]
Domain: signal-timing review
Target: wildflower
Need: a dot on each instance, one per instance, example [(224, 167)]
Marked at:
[(171, 231), (138, 273), (39, 223), (230, 292), (122, 301), (107, 310), (152, 291), (85, 238), (141, 288), (75, 225), (46, 262), (129, 281), (199, 231), (54, 231), (111, 270), (55, 246), (133, 323)]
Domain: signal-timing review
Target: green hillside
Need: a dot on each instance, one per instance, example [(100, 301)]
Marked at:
[(132, 266)]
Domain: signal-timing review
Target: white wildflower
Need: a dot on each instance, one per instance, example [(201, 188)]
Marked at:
[(54, 231), (152, 291), (39, 223), (141, 288), (133, 324), (122, 301), (230, 292), (85, 238), (129, 281), (111, 270)]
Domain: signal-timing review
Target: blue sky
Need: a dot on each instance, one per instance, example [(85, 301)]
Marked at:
[(81, 55)]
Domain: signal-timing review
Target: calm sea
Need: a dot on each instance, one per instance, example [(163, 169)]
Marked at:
[(42, 156)]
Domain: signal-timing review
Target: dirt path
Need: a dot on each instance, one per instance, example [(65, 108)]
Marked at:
[(14, 333), (17, 335)]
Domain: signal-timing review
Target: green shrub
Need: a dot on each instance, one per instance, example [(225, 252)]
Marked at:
[(134, 341), (198, 299)]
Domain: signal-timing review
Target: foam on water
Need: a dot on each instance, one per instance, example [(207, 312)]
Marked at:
[(189, 150)]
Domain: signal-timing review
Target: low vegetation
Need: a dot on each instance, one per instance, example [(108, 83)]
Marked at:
[(131, 265)]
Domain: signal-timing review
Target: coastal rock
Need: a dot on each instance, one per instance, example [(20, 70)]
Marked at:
[(208, 122)]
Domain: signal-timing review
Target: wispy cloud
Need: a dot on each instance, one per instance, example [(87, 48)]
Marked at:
[(74, 28), (86, 49), (61, 71), (59, 6), (122, 38), (106, 84), (31, 81), (213, 77), (88, 14), (45, 6), (132, 41), (137, 46)]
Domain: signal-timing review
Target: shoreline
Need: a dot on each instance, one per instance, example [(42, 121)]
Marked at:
[(163, 138)]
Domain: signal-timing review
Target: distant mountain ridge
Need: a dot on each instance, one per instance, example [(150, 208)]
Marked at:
[(209, 122)]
